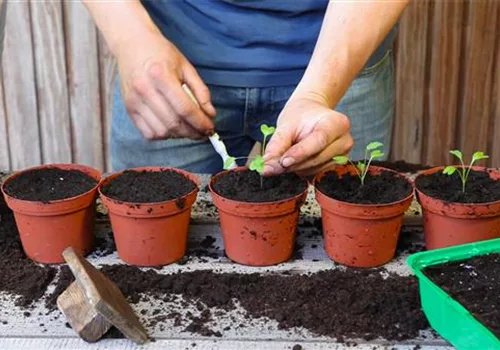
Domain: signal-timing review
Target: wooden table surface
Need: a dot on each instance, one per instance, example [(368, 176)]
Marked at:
[(26, 333)]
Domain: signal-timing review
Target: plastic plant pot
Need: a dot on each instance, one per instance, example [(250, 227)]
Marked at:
[(46, 229), (258, 233), (360, 235), (448, 223), (151, 234)]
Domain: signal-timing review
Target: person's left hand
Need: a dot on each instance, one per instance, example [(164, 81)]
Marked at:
[(308, 135)]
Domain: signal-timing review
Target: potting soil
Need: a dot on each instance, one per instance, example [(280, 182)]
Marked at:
[(480, 188), (386, 187), (246, 186), (474, 283), (148, 186), (356, 303), (400, 166), (49, 184)]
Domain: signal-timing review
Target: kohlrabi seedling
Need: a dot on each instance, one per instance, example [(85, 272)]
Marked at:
[(363, 165), (464, 171), (257, 163)]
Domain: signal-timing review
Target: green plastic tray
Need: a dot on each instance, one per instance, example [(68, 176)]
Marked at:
[(446, 315)]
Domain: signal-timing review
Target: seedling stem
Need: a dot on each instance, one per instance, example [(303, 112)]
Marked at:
[(464, 171)]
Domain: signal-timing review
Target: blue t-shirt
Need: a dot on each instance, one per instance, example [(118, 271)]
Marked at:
[(246, 43)]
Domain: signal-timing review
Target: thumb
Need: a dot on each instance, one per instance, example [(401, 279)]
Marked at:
[(280, 142), (200, 90)]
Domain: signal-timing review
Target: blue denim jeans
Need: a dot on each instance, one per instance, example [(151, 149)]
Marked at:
[(369, 103)]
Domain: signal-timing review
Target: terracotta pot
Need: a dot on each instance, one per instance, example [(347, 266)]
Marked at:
[(151, 234), (361, 235), (448, 223), (46, 229), (258, 234)]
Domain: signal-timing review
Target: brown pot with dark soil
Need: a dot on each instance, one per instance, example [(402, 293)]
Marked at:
[(452, 216), (361, 223), (149, 209), (54, 207), (258, 219)]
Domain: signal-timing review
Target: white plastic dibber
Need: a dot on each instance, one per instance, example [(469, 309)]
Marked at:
[(219, 146)]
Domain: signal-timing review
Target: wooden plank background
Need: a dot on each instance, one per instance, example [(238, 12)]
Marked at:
[(57, 84)]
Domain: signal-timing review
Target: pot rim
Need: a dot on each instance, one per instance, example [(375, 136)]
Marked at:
[(68, 166), (185, 173), (236, 202), (464, 205), (366, 205)]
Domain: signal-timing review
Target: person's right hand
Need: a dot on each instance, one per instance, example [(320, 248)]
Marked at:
[(152, 71)]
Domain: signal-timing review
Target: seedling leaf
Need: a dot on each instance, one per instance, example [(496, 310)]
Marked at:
[(478, 156), (456, 153), (341, 159), (267, 130), (374, 145), (228, 163), (257, 164), (449, 170), (361, 166), (376, 154)]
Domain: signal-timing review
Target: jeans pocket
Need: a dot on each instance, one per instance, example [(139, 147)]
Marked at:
[(377, 65)]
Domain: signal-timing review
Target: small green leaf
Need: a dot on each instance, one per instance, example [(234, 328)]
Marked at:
[(376, 154), (267, 130), (228, 163), (457, 153), (361, 166), (340, 159), (257, 164), (374, 145), (449, 170), (479, 155)]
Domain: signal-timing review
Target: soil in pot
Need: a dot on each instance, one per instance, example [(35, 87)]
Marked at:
[(148, 186), (385, 187), (49, 184), (474, 283), (245, 186), (401, 166), (480, 188)]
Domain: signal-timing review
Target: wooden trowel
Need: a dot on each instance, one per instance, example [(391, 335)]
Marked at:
[(93, 303)]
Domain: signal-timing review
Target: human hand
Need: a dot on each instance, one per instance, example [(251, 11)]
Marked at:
[(152, 71), (308, 135)]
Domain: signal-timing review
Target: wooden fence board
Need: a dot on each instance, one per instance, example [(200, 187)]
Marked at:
[(477, 80), (410, 82), (495, 106), (4, 139), (444, 60), (51, 78), (107, 70), (19, 88), (83, 71)]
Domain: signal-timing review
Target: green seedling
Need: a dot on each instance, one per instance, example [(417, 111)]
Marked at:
[(257, 163), (464, 171), (363, 166)]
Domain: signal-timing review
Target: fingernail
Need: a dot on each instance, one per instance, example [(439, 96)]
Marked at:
[(288, 161)]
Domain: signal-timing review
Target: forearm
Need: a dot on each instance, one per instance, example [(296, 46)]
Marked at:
[(350, 33), (120, 21)]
